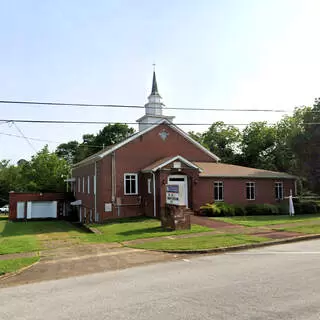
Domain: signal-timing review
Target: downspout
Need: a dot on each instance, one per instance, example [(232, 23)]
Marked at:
[(95, 190), (154, 194), (113, 182)]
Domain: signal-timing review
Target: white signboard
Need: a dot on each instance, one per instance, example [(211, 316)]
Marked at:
[(174, 194)]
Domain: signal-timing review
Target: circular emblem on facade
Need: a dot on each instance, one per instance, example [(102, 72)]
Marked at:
[(164, 135)]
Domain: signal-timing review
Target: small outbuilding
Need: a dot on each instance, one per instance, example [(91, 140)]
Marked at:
[(24, 206)]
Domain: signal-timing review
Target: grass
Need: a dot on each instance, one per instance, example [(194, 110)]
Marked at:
[(202, 242), (258, 221), (135, 228), (312, 229), (16, 237), (13, 265)]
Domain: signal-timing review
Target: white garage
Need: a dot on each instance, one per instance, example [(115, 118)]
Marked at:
[(37, 209)]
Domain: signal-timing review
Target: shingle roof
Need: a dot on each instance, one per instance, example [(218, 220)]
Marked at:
[(212, 169)]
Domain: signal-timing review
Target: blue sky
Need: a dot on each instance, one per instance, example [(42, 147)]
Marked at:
[(226, 53)]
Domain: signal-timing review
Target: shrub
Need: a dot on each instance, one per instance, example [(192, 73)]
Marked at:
[(225, 209), (239, 210), (306, 207), (261, 209), (217, 209)]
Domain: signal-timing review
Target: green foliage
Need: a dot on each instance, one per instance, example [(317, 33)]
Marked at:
[(74, 151), (45, 172), (219, 209), (261, 209), (306, 207)]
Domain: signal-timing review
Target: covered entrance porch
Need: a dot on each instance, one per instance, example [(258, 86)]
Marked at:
[(168, 171)]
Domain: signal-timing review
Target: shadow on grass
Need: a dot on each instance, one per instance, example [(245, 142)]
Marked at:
[(23, 228), (142, 231)]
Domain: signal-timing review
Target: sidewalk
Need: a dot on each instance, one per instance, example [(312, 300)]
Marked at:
[(81, 260)]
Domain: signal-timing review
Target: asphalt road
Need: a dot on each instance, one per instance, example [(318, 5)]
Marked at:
[(279, 282)]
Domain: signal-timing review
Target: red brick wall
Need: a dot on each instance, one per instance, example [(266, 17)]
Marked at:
[(86, 198), (25, 197), (235, 190)]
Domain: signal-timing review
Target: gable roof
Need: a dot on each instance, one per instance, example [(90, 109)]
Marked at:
[(101, 154), (222, 170), (165, 161)]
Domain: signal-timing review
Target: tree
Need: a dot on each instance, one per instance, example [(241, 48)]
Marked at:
[(68, 151), (223, 140), (45, 172), (258, 143), (74, 152), (9, 180), (307, 146)]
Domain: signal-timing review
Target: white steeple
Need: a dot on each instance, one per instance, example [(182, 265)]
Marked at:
[(154, 107)]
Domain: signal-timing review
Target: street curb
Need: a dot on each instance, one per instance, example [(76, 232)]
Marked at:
[(13, 274), (242, 246)]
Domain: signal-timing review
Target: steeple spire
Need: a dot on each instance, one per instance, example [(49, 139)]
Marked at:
[(153, 108), (154, 84)]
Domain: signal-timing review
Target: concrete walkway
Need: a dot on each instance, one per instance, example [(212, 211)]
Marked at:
[(81, 260)]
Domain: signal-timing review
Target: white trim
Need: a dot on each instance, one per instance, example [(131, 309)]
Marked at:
[(124, 184), (217, 200), (190, 164), (254, 189), (275, 186), (88, 184), (164, 121), (82, 184), (154, 195), (149, 186)]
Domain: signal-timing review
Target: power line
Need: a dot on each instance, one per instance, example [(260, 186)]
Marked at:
[(28, 141), (112, 122), (64, 104), (48, 141), (131, 123)]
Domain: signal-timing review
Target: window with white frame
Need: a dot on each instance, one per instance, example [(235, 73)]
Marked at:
[(251, 190), (83, 184), (279, 190), (149, 186), (218, 191), (88, 185), (130, 183), (79, 184), (94, 184)]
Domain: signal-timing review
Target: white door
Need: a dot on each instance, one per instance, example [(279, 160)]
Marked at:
[(20, 210), (44, 209), (181, 180)]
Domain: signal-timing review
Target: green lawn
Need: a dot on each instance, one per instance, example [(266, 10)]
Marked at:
[(312, 229), (13, 265), (135, 228), (203, 242), (29, 236), (18, 237), (258, 221)]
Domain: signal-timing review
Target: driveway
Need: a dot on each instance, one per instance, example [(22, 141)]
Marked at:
[(79, 260), (279, 282)]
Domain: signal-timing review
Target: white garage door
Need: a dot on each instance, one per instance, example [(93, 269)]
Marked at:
[(43, 209)]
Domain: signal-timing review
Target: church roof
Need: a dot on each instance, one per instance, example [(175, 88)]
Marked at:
[(101, 154), (223, 170)]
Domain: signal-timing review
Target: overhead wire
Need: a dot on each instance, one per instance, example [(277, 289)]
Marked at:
[(65, 104)]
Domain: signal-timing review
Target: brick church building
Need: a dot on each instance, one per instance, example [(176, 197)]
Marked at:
[(129, 178)]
